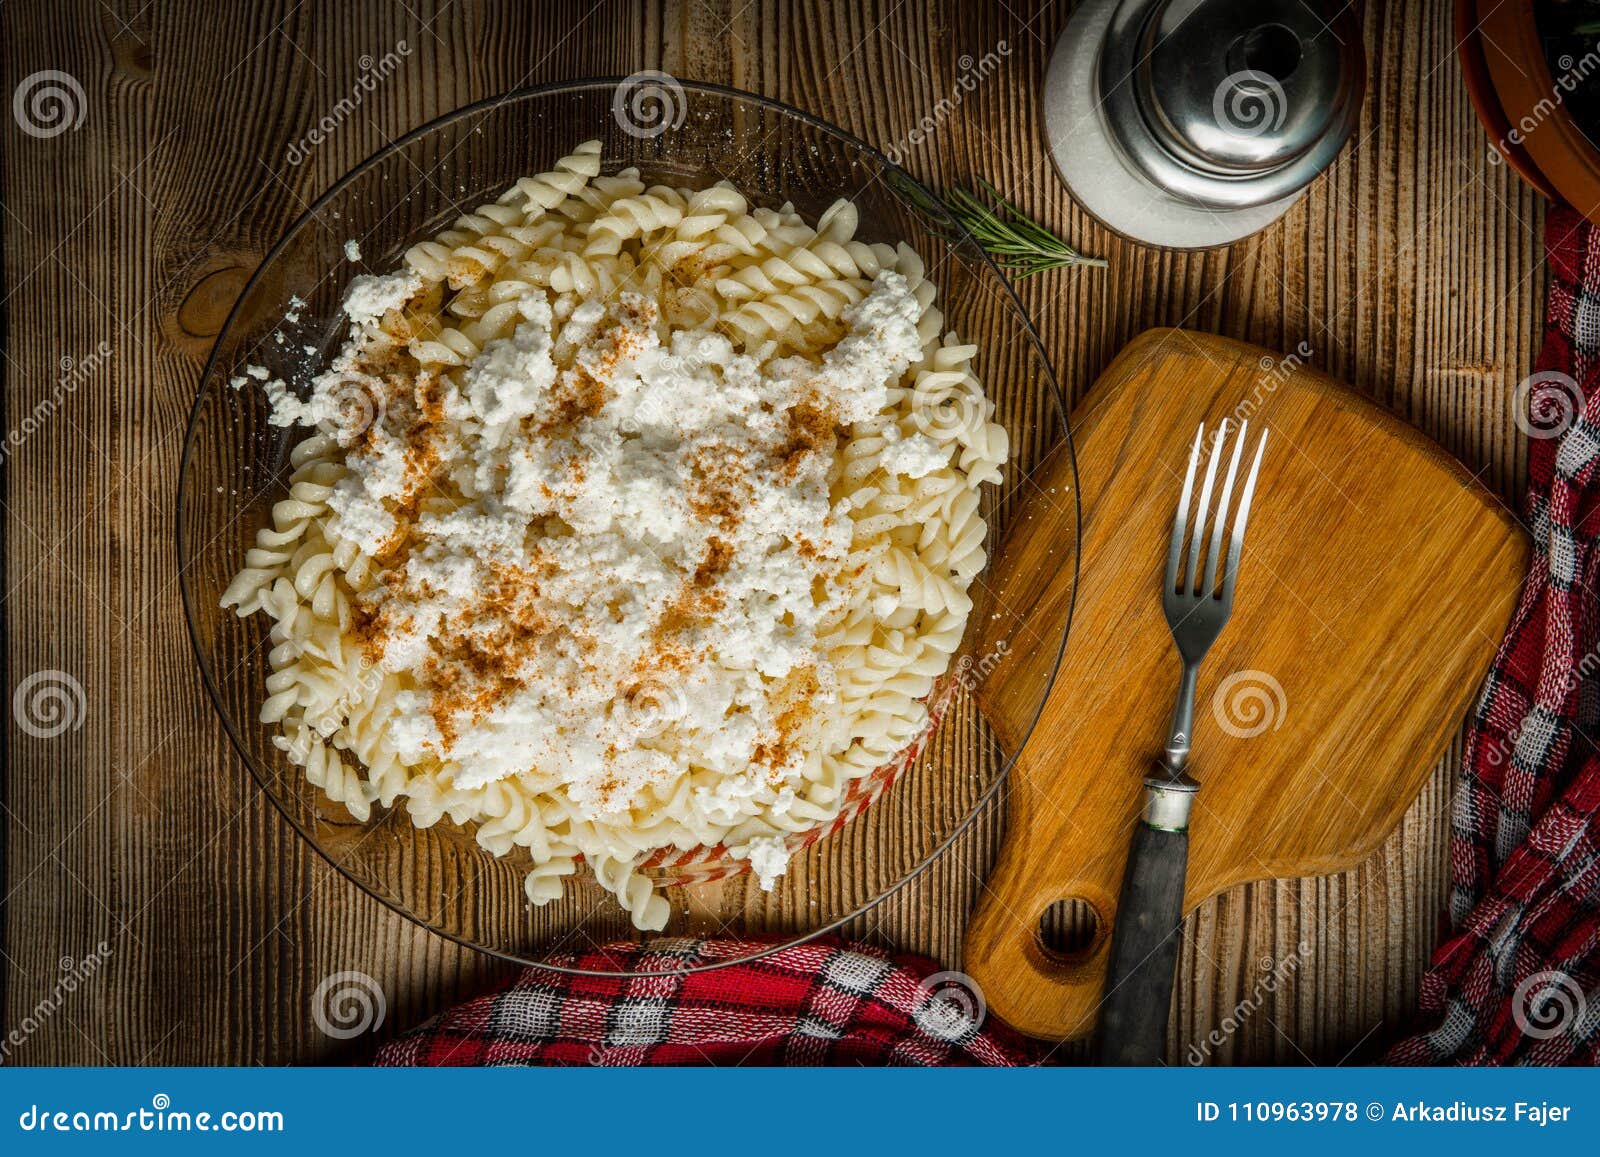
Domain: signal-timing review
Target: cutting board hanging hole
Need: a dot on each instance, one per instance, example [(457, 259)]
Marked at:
[(1068, 928)]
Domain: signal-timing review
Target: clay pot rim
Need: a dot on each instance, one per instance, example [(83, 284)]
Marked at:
[(1486, 101), (1522, 80)]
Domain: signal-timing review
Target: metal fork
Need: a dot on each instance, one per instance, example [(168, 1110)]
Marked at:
[(1144, 944)]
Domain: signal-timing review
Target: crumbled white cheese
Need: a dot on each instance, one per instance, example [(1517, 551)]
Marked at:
[(915, 457), (360, 518), (734, 796), (287, 410), (370, 296), (352, 250), (259, 373), (881, 343), (769, 859)]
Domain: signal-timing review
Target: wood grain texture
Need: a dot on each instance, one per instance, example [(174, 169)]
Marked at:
[(1323, 705), (1412, 270)]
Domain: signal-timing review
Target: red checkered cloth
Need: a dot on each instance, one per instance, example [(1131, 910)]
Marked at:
[(1517, 981), (823, 1002)]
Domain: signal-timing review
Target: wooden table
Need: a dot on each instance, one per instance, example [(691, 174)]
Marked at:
[(1413, 270)]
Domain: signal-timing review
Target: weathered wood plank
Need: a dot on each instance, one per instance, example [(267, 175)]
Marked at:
[(1412, 270)]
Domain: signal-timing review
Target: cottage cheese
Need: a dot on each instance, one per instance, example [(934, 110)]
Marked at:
[(629, 584), (370, 296)]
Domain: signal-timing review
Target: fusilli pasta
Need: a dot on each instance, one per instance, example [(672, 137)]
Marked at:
[(539, 337)]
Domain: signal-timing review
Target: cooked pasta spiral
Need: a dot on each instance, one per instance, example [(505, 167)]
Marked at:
[(586, 274)]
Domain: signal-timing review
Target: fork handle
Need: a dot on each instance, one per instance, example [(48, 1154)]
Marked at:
[(1144, 943)]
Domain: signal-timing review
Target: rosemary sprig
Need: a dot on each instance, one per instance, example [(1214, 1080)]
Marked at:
[(1020, 246)]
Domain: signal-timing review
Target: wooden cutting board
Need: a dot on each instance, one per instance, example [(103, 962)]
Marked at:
[(1377, 579)]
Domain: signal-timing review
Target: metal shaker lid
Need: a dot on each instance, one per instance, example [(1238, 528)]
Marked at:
[(1231, 103)]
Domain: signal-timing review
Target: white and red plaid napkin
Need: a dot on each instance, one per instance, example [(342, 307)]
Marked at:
[(1517, 979), (823, 1002)]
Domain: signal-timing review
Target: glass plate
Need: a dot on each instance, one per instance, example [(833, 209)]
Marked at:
[(235, 465)]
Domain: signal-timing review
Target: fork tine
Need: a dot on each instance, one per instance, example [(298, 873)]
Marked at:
[(1180, 523), (1191, 573), (1214, 554), (1239, 520)]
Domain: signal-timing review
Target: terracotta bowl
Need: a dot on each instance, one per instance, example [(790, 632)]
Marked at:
[(1486, 101), (1533, 118)]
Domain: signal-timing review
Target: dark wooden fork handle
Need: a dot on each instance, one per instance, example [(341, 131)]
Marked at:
[(1144, 943)]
